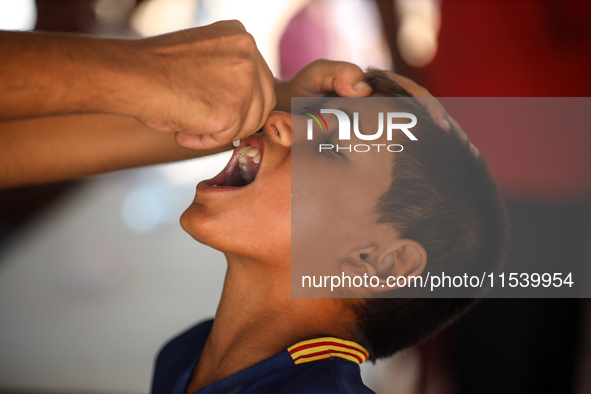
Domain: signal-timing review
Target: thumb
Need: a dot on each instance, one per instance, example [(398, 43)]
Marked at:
[(349, 80)]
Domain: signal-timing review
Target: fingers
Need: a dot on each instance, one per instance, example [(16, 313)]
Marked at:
[(224, 88), (323, 77), (198, 141), (433, 107), (244, 111), (228, 27), (254, 85), (257, 109), (436, 111), (268, 91), (258, 105), (346, 79)]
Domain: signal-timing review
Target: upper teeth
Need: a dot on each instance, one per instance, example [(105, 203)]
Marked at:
[(248, 172), (236, 143), (249, 151)]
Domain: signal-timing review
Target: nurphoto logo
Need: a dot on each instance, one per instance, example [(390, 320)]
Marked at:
[(344, 130)]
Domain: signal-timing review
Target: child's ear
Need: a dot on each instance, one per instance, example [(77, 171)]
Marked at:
[(410, 259), (403, 257)]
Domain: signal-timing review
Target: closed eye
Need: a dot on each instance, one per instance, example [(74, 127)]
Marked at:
[(327, 141)]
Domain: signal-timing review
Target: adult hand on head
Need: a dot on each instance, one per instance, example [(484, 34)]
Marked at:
[(322, 78), (210, 85), (433, 107)]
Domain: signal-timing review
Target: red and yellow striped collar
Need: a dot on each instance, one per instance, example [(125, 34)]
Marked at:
[(328, 347)]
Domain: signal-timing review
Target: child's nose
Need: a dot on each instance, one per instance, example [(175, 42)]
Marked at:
[(278, 128)]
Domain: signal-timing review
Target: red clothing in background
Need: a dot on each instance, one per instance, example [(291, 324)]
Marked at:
[(521, 48)]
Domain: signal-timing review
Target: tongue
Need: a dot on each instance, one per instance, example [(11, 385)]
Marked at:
[(248, 162), (234, 178)]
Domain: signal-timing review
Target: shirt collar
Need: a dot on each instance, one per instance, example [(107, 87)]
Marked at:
[(327, 347)]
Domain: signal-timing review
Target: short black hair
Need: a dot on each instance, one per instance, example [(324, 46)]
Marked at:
[(445, 198)]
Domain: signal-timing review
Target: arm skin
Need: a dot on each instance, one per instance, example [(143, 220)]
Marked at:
[(45, 74), (55, 148), (209, 84), (58, 148), (63, 147)]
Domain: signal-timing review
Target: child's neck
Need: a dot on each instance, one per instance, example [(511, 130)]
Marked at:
[(257, 319)]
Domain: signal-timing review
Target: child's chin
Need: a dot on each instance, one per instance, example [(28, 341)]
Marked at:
[(193, 226), (185, 220)]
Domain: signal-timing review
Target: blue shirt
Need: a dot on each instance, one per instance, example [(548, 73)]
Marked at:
[(321, 365)]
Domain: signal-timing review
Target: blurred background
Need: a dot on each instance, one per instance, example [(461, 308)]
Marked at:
[(96, 274)]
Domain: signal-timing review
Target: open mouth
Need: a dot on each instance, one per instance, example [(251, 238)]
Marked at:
[(243, 166)]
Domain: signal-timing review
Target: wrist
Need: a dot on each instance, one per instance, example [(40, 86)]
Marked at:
[(57, 74), (87, 75), (116, 78)]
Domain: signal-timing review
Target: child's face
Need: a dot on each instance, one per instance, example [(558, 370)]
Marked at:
[(252, 220), (327, 202)]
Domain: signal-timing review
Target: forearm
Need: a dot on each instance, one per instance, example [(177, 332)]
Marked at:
[(50, 74), (208, 83), (65, 147)]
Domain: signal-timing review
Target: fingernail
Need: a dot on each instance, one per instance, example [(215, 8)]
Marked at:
[(446, 125), (360, 85)]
